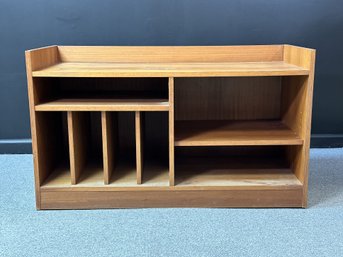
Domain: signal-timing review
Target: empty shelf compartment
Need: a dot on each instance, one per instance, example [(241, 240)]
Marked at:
[(234, 167), (115, 94)]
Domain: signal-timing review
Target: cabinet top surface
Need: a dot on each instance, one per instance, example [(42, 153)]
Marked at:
[(177, 61), (73, 69)]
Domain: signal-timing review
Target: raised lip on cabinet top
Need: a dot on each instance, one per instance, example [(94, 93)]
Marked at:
[(170, 61)]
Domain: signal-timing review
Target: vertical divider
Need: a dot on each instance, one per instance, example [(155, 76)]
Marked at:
[(139, 124), (171, 131), (109, 142), (78, 134)]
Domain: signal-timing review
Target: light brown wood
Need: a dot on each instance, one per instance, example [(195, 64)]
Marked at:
[(124, 178), (139, 125), (226, 133), (242, 118), (227, 98), (78, 131), (171, 132), (230, 69), (237, 171), (301, 98), (167, 54), (38, 59), (104, 105), (109, 142), (173, 198)]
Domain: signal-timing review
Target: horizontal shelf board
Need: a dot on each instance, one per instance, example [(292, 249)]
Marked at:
[(191, 69), (123, 177), (104, 105), (235, 172), (234, 133)]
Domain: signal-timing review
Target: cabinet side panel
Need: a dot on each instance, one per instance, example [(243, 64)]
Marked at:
[(301, 120), (37, 59)]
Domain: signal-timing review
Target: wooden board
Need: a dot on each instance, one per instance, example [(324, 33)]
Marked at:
[(104, 105), (109, 143), (173, 198), (227, 98), (194, 69), (139, 129), (34, 60), (169, 54), (171, 132), (228, 133), (298, 95), (78, 131)]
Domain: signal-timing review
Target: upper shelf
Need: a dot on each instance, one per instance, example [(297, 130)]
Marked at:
[(165, 69), (234, 133), (89, 104)]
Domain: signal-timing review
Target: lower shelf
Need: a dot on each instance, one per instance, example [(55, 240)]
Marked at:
[(82, 199), (235, 172), (191, 175), (155, 175)]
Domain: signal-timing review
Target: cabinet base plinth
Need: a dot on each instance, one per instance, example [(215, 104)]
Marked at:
[(170, 198)]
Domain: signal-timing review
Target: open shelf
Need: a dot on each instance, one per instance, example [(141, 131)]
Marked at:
[(91, 104), (214, 172), (102, 94), (198, 69), (235, 167), (226, 133)]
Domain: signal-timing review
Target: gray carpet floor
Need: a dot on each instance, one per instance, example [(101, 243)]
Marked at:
[(316, 231)]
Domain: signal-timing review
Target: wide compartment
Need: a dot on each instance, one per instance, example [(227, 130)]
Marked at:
[(102, 94), (234, 167), (238, 111)]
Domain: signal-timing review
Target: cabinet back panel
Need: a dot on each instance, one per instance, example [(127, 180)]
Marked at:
[(247, 98), (127, 54)]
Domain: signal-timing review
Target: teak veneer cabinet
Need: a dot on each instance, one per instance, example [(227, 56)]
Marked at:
[(190, 126)]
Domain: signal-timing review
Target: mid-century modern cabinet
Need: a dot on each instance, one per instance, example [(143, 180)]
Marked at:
[(191, 126)]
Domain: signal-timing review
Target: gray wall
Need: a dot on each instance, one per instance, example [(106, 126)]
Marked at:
[(30, 24)]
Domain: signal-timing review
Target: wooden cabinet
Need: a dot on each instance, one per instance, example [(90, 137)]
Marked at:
[(204, 126)]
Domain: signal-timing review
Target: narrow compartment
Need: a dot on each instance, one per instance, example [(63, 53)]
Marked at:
[(238, 111), (105, 94), (258, 166), (85, 146), (135, 149), (53, 150), (154, 149), (121, 149)]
